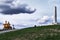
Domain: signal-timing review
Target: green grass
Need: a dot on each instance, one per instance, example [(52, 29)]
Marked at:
[(51, 32)]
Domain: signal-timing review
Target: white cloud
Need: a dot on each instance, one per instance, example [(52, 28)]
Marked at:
[(45, 20)]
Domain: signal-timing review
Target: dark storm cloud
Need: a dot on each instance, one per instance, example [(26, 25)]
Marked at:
[(20, 9), (4, 7), (7, 1), (17, 11)]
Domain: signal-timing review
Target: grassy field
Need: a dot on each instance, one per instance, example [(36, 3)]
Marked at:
[(51, 32)]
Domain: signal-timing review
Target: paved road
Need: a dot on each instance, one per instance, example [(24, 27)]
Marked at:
[(7, 31)]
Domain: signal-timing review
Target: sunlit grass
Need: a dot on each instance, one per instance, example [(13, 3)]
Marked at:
[(51, 32)]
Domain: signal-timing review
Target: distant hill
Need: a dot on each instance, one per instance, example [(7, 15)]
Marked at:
[(51, 32)]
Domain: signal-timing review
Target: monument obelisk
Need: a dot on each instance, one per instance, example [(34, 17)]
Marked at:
[(55, 15)]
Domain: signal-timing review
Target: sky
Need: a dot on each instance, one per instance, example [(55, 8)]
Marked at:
[(27, 13)]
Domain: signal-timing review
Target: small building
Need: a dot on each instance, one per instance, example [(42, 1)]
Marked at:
[(7, 26)]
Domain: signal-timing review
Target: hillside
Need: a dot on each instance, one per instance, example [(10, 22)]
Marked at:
[(51, 32)]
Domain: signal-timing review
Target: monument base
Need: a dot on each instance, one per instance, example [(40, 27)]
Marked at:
[(55, 23)]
